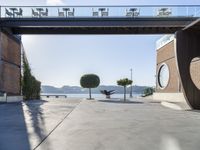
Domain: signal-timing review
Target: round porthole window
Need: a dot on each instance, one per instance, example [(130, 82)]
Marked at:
[(163, 76)]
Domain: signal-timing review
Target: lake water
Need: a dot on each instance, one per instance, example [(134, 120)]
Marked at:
[(93, 95)]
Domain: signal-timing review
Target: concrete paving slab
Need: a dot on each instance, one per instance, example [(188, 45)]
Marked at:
[(23, 126), (97, 125), (101, 125)]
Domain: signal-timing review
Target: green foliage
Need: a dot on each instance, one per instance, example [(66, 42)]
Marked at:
[(30, 86), (124, 82), (148, 91), (90, 81)]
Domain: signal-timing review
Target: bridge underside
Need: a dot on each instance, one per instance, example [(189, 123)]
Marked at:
[(95, 30), (95, 25)]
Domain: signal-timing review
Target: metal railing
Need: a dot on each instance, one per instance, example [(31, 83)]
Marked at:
[(154, 11), (164, 40)]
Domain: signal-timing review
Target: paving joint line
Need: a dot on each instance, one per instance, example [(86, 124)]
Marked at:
[(55, 127)]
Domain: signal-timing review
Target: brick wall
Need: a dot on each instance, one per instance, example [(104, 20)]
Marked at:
[(10, 62), (195, 71), (166, 55)]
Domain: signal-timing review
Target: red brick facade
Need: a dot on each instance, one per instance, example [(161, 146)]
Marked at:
[(166, 54), (195, 71), (10, 64)]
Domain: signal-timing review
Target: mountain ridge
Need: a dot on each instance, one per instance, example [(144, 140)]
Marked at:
[(66, 89)]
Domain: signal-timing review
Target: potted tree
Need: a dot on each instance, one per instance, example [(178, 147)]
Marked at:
[(124, 82), (90, 81)]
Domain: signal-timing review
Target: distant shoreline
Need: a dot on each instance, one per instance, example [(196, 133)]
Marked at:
[(86, 95), (79, 90)]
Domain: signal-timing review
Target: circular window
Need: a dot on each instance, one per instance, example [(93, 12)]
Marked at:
[(195, 71), (163, 76)]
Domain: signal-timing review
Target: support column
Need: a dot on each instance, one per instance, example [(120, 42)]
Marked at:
[(187, 48), (10, 63)]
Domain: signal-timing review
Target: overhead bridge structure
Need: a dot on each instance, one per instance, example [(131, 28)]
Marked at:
[(97, 19), (95, 25), (183, 21)]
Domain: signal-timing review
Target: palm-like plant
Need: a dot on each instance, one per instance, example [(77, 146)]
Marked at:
[(124, 82)]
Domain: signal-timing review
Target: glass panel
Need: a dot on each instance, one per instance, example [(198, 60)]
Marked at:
[(163, 76), (2, 97)]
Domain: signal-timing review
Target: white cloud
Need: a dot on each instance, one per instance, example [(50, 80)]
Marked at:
[(54, 2)]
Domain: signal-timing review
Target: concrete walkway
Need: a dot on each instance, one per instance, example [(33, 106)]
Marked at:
[(106, 125), (24, 126)]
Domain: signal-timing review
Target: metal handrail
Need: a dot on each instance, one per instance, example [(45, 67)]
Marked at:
[(177, 10), (148, 6)]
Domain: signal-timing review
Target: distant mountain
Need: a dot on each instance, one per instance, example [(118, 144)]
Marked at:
[(80, 90)]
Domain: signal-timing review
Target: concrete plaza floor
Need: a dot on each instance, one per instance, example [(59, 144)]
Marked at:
[(97, 125)]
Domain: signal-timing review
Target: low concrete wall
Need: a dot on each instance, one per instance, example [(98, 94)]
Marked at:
[(2, 99), (11, 99), (173, 98), (170, 97), (53, 97)]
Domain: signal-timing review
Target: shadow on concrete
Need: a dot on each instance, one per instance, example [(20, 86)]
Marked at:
[(35, 111), (155, 102), (194, 111), (121, 102), (13, 130)]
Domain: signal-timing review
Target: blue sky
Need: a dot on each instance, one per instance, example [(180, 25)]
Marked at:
[(61, 60)]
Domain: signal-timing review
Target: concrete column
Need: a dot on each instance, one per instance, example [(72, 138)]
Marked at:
[(187, 48)]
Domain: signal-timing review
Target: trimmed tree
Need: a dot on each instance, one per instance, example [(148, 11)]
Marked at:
[(90, 81), (124, 82)]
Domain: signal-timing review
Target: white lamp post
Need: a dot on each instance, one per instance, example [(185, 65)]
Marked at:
[(131, 95)]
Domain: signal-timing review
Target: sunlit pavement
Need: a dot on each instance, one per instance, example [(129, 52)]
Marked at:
[(24, 126), (98, 125)]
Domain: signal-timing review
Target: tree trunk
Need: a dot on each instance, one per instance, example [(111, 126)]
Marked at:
[(90, 93), (124, 93)]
